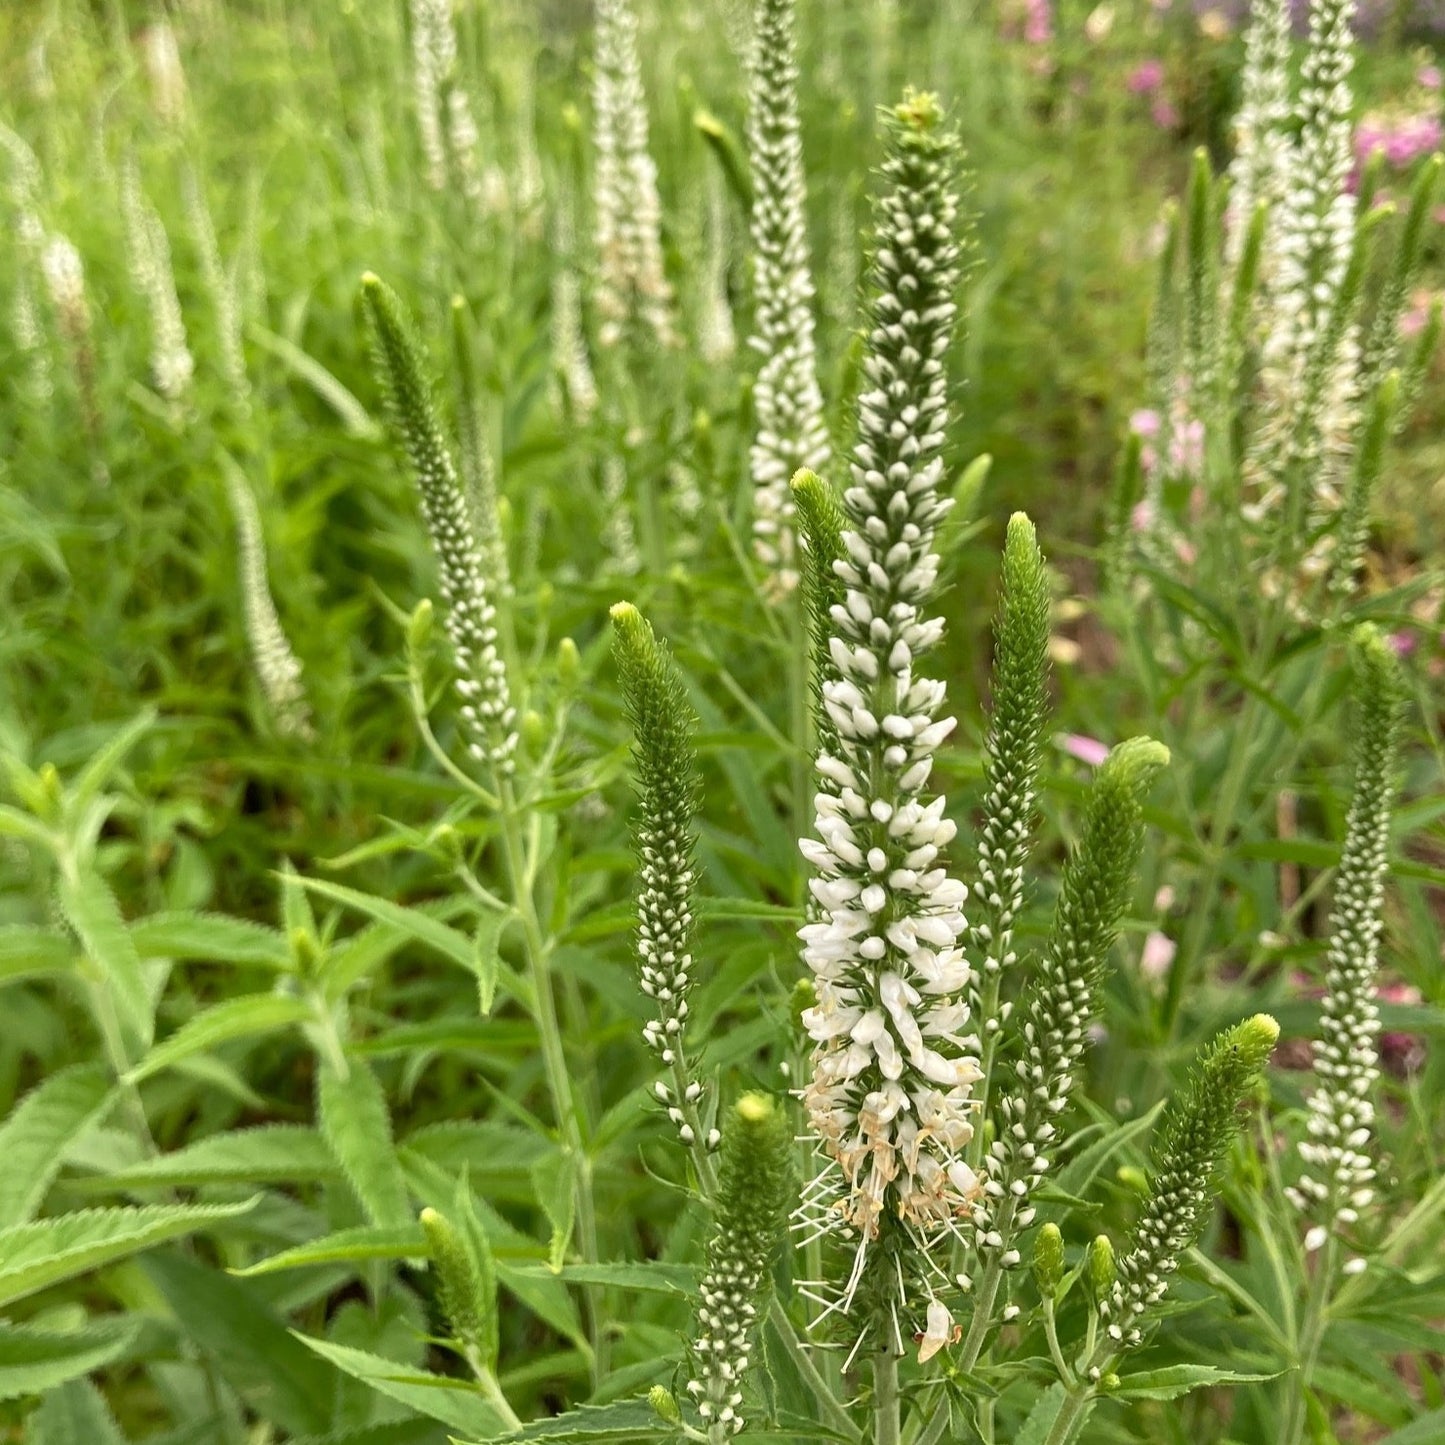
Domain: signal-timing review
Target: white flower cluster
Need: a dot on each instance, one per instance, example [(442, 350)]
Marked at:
[(631, 283), (717, 338), (277, 668), (569, 342), (791, 432), (891, 1093), (726, 1314), (149, 251), (161, 60), (1339, 1180), (444, 117), (64, 275), (1264, 150), (1310, 362)]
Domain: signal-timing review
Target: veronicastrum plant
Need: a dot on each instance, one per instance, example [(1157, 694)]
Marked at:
[(944, 1059), (500, 1129)]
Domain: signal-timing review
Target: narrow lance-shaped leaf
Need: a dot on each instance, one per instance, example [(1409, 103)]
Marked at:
[(357, 1126)]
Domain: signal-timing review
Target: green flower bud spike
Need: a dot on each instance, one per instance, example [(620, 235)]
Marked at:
[(1049, 1261), (664, 841), (1197, 1132), (1057, 1013), (1011, 771), (756, 1189), (488, 716)]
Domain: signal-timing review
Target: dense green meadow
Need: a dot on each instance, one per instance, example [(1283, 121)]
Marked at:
[(407, 1031)]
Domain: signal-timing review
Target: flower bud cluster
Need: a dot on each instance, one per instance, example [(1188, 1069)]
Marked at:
[(791, 432), (487, 711), (1339, 1178), (631, 283), (891, 1093)]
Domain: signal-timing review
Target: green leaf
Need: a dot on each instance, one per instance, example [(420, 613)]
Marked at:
[(28, 952), (453, 1402), (260, 1013), (93, 912), (271, 1154), (487, 958), (624, 1420), (450, 942), (232, 1321), (652, 1278), (1425, 1430), (357, 1127), (33, 1361), (74, 1414), (1176, 1380), (34, 1256), (346, 1246), (210, 938), (349, 411), (1041, 1418), (40, 1128)]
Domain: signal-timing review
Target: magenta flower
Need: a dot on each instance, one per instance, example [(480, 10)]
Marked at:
[(1087, 750), (1146, 77)]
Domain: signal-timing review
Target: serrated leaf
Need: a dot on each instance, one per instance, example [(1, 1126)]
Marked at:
[(487, 962), (90, 906), (29, 952), (1176, 1380), (1035, 1429), (74, 1413), (453, 1402), (346, 1246), (450, 942), (270, 1154), (34, 1256), (33, 1361), (653, 1278), (236, 1018), (357, 1127), (40, 1128), (624, 1420), (210, 938)]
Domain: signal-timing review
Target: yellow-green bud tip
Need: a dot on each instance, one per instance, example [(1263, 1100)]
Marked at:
[(370, 280), (621, 612), (429, 1218), (919, 109), (1262, 1029), (755, 1108), (664, 1405)]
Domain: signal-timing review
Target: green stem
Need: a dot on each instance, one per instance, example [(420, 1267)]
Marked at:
[(1312, 1331), (554, 1058), (886, 1413), (1070, 1416), (834, 1415), (492, 1391), (986, 1291), (1231, 792)]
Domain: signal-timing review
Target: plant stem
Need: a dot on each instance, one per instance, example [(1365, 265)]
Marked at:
[(986, 1291), (1311, 1333), (1070, 1416), (554, 1058), (1221, 824), (886, 1415)]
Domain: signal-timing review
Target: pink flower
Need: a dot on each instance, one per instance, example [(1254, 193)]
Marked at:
[(1087, 750), (1146, 77), (1164, 115), (1403, 642), (1428, 76), (1038, 22), (1145, 423), (1157, 955), (1142, 517)]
